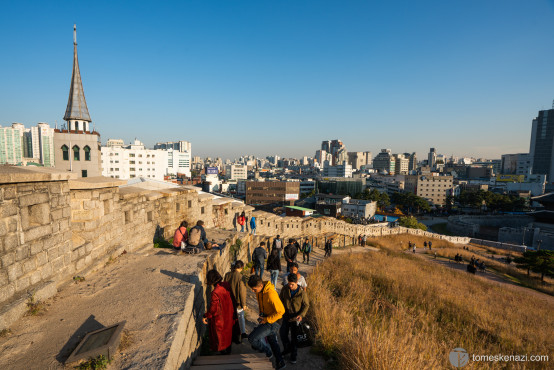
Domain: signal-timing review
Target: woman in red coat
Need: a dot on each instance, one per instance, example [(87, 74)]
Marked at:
[(221, 315)]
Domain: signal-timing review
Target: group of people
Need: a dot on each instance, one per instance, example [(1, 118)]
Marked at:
[(242, 220), (277, 313), (362, 239), (194, 240), (412, 246)]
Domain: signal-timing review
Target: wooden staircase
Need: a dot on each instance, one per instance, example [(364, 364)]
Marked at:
[(256, 361)]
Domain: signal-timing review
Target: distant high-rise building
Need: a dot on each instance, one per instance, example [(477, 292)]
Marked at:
[(77, 147), (384, 162), (542, 142), (412, 161), (401, 165), (432, 158), (11, 145), (181, 146)]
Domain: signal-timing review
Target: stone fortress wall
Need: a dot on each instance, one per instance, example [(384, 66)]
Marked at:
[(54, 226)]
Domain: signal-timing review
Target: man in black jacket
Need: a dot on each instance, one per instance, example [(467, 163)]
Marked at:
[(290, 253), (258, 257)]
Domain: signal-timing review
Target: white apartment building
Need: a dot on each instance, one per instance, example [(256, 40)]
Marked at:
[(433, 188), (358, 208), (236, 172), (341, 170), (134, 160), (19, 145)]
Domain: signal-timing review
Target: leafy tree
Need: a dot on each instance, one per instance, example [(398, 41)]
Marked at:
[(383, 201), (544, 263), (541, 262), (412, 223)]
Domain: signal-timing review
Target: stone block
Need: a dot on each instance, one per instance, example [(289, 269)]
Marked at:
[(22, 252), (64, 224), (58, 264), (9, 209), (56, 215), (80, 264), (32, 199), (7, 259), (42, 258), (46, 271), (53, 240), (25, 188), (29, 265), (53, 253), (12, 224), (66, 212), (37, 232), (76, 205), (14, 271), (55, 188), (55, 227), (36, 247), (3, 278), (22, 283), (3, 228), (35, 277), (81, 194), (6, 292), (9, 192)]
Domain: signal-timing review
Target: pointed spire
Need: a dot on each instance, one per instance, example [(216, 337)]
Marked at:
[(76, 104)]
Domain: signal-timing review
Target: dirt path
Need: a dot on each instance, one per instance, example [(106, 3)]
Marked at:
[(488, 275), (306, 358)]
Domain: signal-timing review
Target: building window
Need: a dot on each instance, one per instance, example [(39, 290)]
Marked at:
[(83, 173), (76, 155), (65, 153), (86, 149), (76, 125)]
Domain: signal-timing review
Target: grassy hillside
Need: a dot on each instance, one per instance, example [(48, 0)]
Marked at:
[(392, 310)]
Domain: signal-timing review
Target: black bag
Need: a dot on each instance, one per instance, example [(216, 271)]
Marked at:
[(304, 334)]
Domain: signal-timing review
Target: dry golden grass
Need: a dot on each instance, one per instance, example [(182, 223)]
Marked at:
[(392, 310)]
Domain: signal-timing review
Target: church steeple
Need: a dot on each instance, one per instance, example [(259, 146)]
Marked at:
[(76, 113)]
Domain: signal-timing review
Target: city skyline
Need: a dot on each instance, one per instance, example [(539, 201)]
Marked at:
[(269, 91)]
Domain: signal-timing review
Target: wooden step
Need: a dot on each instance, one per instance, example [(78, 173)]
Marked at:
[(255, 361)]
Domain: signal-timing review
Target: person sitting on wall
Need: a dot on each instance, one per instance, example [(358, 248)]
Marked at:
[(215, 246), (181, 236), (197, 236)]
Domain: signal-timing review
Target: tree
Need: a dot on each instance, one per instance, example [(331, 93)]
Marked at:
[(544, 263), (383, 200), (412, 223), (541, 262)]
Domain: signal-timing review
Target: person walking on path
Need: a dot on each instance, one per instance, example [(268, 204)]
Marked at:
[(278, 244), (306, 250), (424, 245), (430, 244), (328, 247), (413, 247), (290, 253), (274, 266), (238, 288), (301, 281), (296, 303), (181, 236), (221, 315), (253, 225), (242, 221), (258, 257), (364, 239), (271, 312)]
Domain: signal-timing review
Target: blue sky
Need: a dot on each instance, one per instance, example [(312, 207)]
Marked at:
[(278, 77)]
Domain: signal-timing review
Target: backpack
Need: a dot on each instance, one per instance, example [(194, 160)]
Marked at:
[(277, 243), (194, 236)]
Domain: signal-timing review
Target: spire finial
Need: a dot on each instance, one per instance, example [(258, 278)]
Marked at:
[(75, 34)]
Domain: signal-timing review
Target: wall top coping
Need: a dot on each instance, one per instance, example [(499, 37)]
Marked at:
[(18, 174), (97, 182)]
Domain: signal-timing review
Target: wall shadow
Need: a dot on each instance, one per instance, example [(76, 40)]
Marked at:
[(89, 325)]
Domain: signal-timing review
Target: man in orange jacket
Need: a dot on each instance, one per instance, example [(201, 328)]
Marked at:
[(271, 312)]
